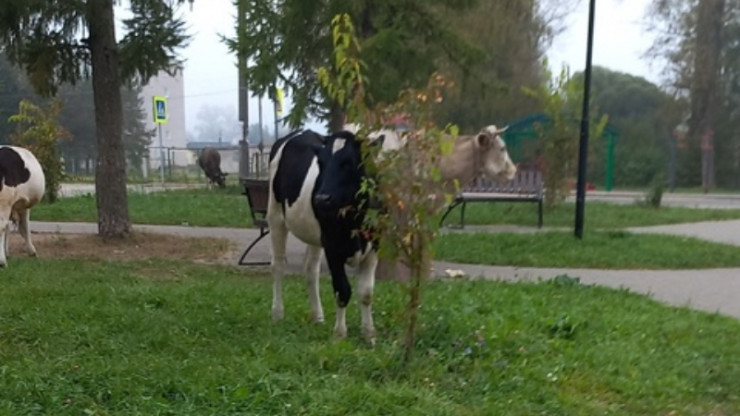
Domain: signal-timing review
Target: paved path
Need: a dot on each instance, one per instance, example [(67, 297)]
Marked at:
[(713, 290)]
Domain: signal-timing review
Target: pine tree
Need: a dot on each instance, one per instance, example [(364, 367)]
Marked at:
[(58, 41)]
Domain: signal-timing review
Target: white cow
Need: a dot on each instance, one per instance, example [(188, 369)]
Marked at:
[(481, 154), (22, 185)]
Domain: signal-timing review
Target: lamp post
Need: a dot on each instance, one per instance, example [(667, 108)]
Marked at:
[(583, 145)]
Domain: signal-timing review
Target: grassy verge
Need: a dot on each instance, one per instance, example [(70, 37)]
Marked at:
[(228, 208), (598, 215), (609, 250), (198, 207), (163, 337)]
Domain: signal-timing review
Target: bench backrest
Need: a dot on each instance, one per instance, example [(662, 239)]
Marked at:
[(257, 193), (524, 182)]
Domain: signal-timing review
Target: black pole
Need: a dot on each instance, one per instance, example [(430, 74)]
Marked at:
[(583, 147)]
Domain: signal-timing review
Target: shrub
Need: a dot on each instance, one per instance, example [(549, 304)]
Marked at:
[(39, 131)]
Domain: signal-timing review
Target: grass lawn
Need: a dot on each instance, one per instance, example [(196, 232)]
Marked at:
[(164, 337), (609, 250), (598, 215), (198, 207), (228, 208)]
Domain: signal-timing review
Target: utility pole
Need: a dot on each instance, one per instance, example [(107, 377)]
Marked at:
[(243, 94)]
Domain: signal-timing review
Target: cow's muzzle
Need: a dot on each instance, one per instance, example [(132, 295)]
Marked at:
[(323, 201)]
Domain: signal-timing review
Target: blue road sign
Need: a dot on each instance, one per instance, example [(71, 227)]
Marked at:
[(160, 109)]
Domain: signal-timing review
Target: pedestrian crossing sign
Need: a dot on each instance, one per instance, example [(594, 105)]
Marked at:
[(160, 109)]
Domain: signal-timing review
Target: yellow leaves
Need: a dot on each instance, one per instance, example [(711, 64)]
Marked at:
[(407, 239), (344, 82)]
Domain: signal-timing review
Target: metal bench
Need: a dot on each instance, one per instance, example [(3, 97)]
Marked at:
[(525, 187), (257, 193)]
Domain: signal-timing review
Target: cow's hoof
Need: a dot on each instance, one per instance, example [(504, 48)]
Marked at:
[(319, 319), (340, 333), (277, 314), (369, 335)]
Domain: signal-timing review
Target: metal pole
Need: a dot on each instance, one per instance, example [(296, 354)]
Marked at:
[(583, 147), (259, 115), (161, 153)]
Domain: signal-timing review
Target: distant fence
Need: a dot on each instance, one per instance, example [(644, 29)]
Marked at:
[(179, 163), (258, 165)]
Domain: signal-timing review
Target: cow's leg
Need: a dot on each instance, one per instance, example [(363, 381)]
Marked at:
[(4, 231), (342, 291), (24, 231), (279, 238), (5, 220), (365, 287), (312, 269)]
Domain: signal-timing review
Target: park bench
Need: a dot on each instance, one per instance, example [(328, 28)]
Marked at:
[(525, 187), (257, 193)]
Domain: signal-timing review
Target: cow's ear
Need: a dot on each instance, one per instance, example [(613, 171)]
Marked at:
[(483, 139), (378, 142)]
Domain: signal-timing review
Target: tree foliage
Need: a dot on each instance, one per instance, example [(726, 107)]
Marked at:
[(561, 98), (38, 130), (78, 117), (695, 40), (643, 116), (513, 36), (402, 41), (63, 41)]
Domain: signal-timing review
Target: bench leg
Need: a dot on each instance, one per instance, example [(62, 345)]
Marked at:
[(462, 215), (449, 209), (263, 233), (539, 214)]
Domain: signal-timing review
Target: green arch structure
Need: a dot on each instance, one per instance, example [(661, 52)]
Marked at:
[(521, 141)]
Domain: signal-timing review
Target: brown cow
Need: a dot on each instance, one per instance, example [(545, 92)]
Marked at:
[(210, 161)]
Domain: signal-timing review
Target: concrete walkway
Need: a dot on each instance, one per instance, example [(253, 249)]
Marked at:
[(713, 290)]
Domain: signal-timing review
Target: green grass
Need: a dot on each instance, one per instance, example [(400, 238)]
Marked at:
[(607, 250), (598, 215), (170, 338), (228, 208), (197, 207)]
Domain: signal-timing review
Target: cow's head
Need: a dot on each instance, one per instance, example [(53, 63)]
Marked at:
[(341, 176), (220, 180), (492, 155)]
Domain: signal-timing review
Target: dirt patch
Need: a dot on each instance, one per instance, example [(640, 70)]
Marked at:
[(138, 246)]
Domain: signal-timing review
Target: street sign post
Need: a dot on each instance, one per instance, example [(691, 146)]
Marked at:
[(160, 117)]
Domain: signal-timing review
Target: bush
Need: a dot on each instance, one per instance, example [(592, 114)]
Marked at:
[(654, 195), (39, 131)]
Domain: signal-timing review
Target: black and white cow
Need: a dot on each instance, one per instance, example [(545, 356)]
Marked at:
[(210, 161), (314, 184), (22, 185)]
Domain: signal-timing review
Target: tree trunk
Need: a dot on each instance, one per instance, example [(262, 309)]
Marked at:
[(705, 85), (110, 175), (336, 118)]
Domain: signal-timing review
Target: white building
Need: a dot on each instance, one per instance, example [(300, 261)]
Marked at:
[(173, 143)]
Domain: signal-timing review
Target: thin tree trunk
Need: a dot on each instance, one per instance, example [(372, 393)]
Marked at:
[(110, 175), (704, 85), (336, 118)]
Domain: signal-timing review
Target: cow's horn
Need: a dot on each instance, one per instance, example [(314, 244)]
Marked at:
[(503, 129)]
